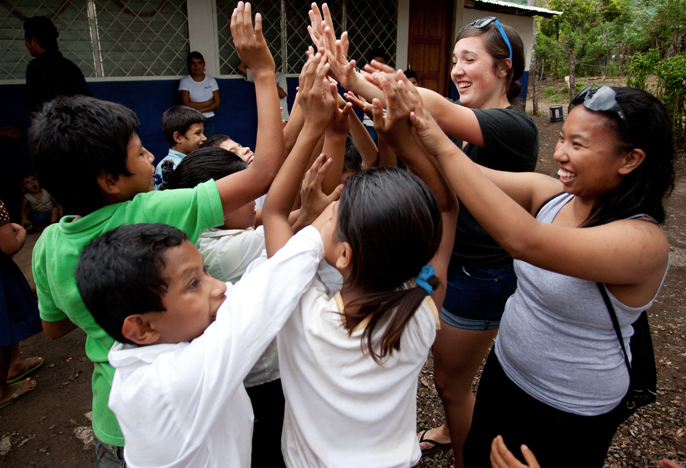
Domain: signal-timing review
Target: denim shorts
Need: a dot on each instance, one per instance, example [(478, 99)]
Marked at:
[(108, 456), (40, 217), (476, 297)]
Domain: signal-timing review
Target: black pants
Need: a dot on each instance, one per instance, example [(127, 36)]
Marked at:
[(557, 439), (268, 405)]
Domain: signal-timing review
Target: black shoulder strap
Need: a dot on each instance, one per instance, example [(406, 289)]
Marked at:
[(615, 323), (546, 202)]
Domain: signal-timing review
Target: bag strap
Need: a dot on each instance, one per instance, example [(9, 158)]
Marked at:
[(615, 323), (548, 201)]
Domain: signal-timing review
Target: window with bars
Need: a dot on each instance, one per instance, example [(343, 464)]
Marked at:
[(370, 25), (107, 38)]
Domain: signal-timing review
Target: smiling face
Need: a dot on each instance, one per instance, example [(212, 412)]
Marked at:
[(587, 154), (243, 152), (192, 298), (479, 84), (191, 140)]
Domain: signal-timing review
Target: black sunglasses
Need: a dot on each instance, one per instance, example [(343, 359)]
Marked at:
[(483, 22), (603, 99)]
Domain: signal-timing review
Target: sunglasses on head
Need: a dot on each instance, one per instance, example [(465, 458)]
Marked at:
[(603, 99), (483, 22)]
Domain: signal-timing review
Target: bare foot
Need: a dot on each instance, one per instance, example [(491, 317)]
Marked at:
[(16, 390), (433, 440)]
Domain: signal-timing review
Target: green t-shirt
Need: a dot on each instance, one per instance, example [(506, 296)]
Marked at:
[(57, 252)]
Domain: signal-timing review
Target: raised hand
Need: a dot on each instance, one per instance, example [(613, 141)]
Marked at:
[(360, 103), (314, 200), (317, 95), (396, 122), (250, 44)]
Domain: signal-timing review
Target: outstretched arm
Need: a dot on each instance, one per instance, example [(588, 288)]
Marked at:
[(317, 101), (241, 187), (629, 255), (335, 137), (394, 128)]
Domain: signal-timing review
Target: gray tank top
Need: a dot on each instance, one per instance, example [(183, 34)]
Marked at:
[(556, 340)]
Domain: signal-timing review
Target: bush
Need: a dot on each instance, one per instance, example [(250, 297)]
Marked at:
[(671, 86)]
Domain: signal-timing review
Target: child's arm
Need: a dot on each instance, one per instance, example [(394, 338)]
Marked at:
[(54, 202), (335, 137), (24, 211), (317, 101), (12, 238), (242, 187), (293, 126), (363, 140), (314, 199), (395, 128)]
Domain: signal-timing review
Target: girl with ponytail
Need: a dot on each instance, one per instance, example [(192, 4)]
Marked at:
[(487, 124), (349, 359)]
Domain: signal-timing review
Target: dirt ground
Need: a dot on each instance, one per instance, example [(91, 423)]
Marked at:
[(50, 427)]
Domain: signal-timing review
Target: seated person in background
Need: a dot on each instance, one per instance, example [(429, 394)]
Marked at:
[(183, 129), (281, 87), (200, 91), (37, 206)]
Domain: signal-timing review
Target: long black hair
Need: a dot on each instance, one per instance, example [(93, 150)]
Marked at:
[(204, 164), (643, 190), (393, 224)]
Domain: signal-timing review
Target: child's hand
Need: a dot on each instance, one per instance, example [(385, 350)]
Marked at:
[(317, 95), (395, 125), (314, 200), (322, 33), (250, 45), (429, 135), (360, 103), (340, 123), (501, 457)]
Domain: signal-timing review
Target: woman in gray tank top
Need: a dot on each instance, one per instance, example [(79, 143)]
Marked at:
[(557, 373)]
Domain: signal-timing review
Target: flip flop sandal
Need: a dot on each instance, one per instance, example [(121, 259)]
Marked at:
[(17, 393), (29, 368), (436, 446)]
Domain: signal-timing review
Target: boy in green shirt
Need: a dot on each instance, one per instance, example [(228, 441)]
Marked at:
[(87, 152)]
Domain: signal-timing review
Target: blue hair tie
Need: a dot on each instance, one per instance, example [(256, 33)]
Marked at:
[(422, 279), (158, 179)]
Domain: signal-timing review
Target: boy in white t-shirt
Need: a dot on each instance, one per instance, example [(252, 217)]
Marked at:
[(200, 91)]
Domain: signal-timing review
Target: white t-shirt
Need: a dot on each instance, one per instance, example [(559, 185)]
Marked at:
[(184, 404), (199, 91), (281, 83), (342, 408)]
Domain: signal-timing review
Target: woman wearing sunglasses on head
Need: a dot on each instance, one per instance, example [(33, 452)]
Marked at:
[(557, 375), (487, 124)]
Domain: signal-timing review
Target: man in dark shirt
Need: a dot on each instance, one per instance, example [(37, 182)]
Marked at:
[(48, 75)]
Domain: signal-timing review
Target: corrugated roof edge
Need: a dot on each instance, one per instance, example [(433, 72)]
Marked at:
[(524, 10)]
